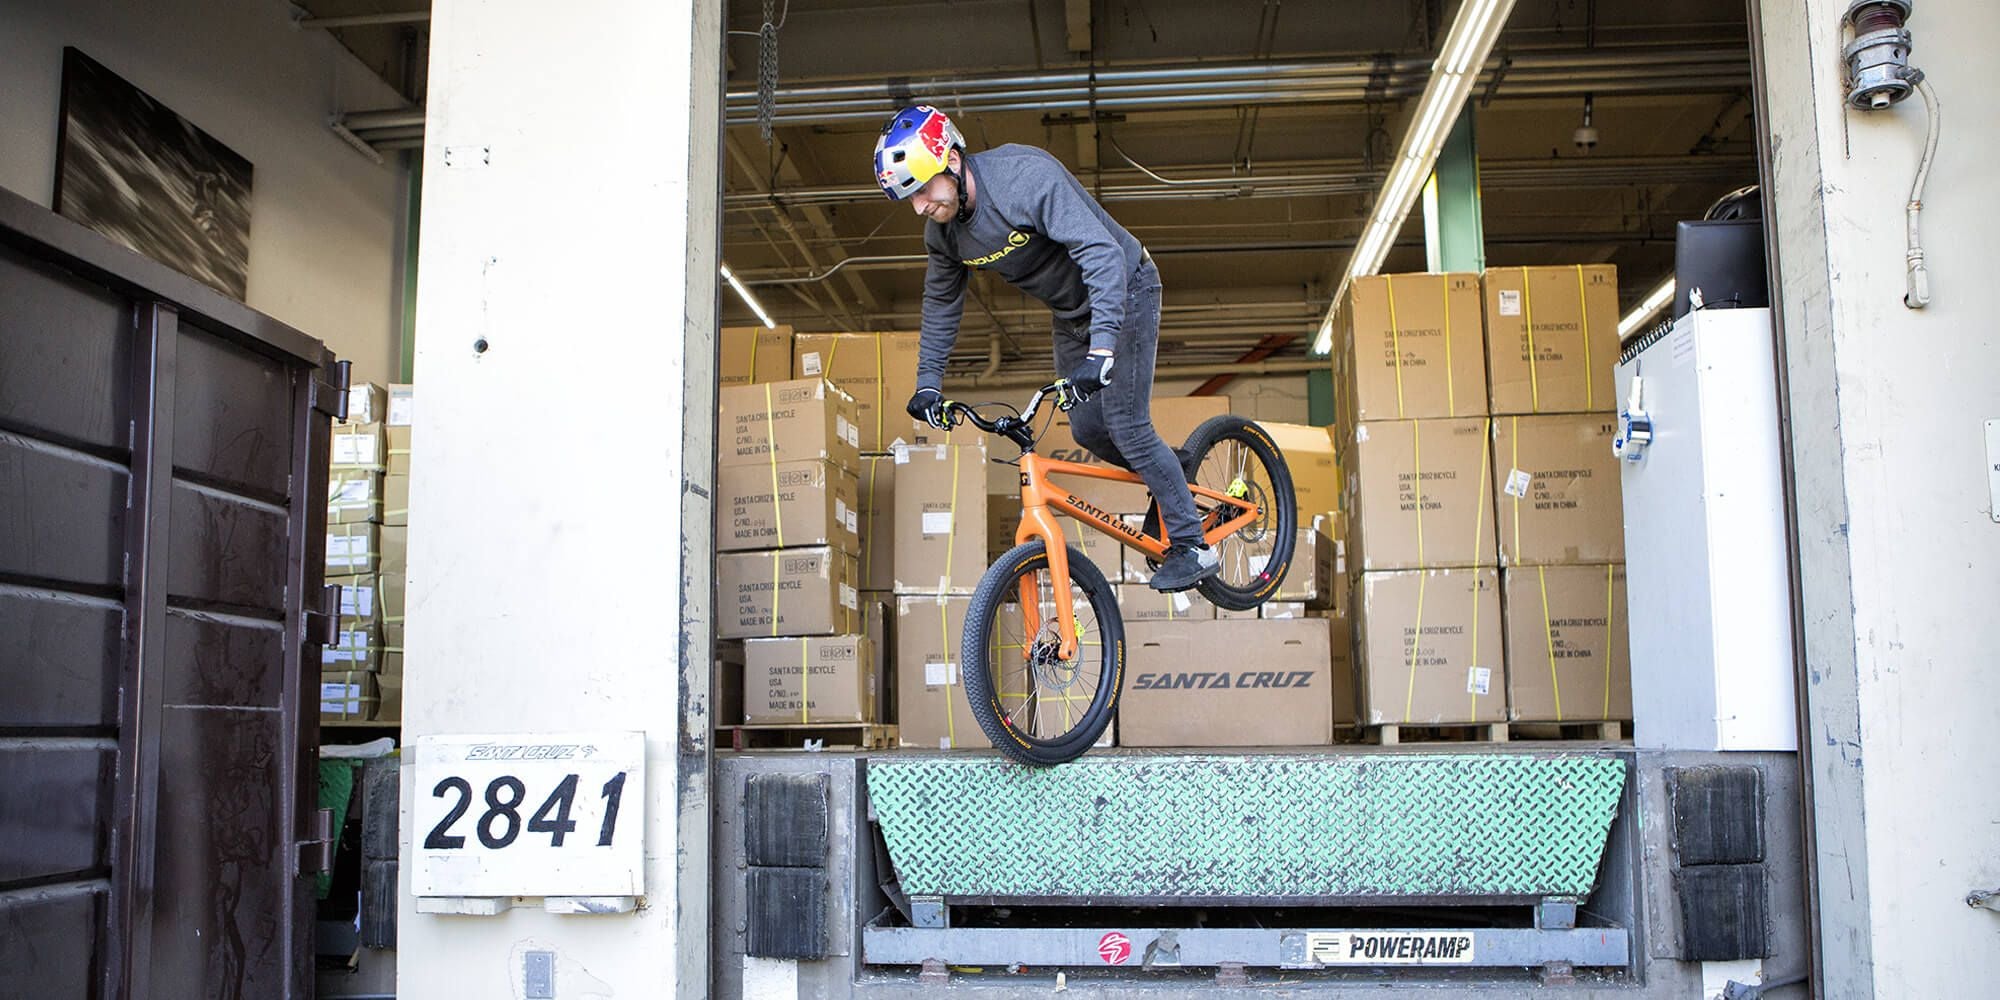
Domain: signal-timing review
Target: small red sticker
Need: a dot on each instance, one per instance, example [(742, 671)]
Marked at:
[(1114, 948)]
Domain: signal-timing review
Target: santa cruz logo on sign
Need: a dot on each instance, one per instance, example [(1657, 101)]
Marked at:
[(1114, 948)]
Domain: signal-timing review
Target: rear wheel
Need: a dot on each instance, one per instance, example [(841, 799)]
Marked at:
[(1035, 706), (1234, 456)]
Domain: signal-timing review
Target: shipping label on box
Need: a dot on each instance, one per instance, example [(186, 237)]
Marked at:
[(1561, 499), (791, 421), (1415, 347), (402, 405), (1140, 603), (1227, 683), (1420, 495), (347, 696), (358, 649), (353, 549), (354, 496), (816, 503), (358, 446), (1553, 336), (808, 681), (1430, 647), (786, 592), (1281, 610), (876, 493), (940, 518), (1568, 659), (931, 710), (359, 598), (752, 355)]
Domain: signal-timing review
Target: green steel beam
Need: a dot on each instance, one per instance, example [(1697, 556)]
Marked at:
[(406, 369), (1319, 396), (1454, 235)]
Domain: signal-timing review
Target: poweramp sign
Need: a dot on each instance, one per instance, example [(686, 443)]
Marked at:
[(1390, 948), (556, 814)]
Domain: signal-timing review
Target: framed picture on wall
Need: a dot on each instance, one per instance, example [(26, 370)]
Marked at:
[(130, 168)]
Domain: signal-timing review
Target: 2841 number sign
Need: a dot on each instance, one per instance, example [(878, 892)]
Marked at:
[(500, 825)]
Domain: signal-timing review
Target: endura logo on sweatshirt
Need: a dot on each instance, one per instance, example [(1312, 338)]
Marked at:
[(1016, 239)]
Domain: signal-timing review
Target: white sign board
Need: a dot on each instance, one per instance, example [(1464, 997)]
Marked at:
[(546, 814)]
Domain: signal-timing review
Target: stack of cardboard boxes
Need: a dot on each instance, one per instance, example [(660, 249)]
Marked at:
[(367, 546), (1481, 496), (788, 538)]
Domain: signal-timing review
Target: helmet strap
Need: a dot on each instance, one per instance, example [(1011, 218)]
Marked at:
[(964, 204)]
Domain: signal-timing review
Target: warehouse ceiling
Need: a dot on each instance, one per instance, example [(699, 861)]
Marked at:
[(1242, 142)]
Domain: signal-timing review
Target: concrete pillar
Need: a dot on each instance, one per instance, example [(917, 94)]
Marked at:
[(1454, 228), (560, 559), (1898, 546)]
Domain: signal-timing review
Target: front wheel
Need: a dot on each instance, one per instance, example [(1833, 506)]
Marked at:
[(1035, 706)]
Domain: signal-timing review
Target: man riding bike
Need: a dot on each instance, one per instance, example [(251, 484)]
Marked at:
[(1015, 210)]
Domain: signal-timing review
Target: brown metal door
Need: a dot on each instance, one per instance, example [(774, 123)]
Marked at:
[(162, 508)]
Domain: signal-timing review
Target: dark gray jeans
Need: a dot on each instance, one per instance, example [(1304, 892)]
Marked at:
[(1117, 423)]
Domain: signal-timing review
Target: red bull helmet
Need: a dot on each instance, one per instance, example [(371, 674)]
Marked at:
[(915, 146)]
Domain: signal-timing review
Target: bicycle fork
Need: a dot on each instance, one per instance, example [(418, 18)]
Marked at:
[(1038, 522)]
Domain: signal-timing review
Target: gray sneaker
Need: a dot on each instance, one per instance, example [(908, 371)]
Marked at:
[(1185, 566)]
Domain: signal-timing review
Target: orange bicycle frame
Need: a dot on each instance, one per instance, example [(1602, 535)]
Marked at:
[(1042, 500)]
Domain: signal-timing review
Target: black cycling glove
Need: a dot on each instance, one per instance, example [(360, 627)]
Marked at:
[(927, 405)]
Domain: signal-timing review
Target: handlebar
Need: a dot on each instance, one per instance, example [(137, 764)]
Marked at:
[(1018, 428)]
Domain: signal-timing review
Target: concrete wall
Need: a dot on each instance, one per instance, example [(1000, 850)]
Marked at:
[(1897, 540), (324, 220)]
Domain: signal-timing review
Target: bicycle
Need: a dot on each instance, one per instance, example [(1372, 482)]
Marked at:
[(1024, 663)]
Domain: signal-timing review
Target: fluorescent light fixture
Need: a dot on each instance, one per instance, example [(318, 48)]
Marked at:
[(1323, 344), (748, 299), (1643, 313), (1464, 52)]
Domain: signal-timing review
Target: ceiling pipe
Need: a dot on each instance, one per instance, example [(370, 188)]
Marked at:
[(364, 20), (1287, 366)]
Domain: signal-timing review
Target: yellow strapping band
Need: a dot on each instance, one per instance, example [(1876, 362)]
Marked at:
[(944, 646), (1395, 341), (1479, 499), (1583, 327), (1534, 369), (1416, 644), (868, 551), (1450, 373), (951, 540), (751, 375), (770, 431), (1549, 632), (881, 387), (1609, 650)]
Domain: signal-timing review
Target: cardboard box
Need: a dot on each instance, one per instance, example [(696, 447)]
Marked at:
[(1561, 499), (1430, 649), (1277, 610), (1563, 364), (1346, 682), (348, 696), (940, 517), (395, 551), (752, 355), (814, 588), (396, 501), (354, 496), (389, 688), (880, 371), (793, 421), (1311, 579), (396, 439), (725, 691), (1140, 603), (1227, 615), (876, 493), (402, 404), (808, 680), (353, 549), (358, 446), (366, 403), (360, 604), (389, 593), (1134, 560), (357, 649), (1568, 658), (1312, 456), (1174, 417), (817, 503), (931, 710), (1003, 520), (1420, 495), (1415, 347), (1227, 684)]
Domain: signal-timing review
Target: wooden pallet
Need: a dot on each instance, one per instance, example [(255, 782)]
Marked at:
[(852, 735), (1499, 732)]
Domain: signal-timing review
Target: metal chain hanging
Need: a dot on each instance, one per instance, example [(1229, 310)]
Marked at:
[(767, 71)]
